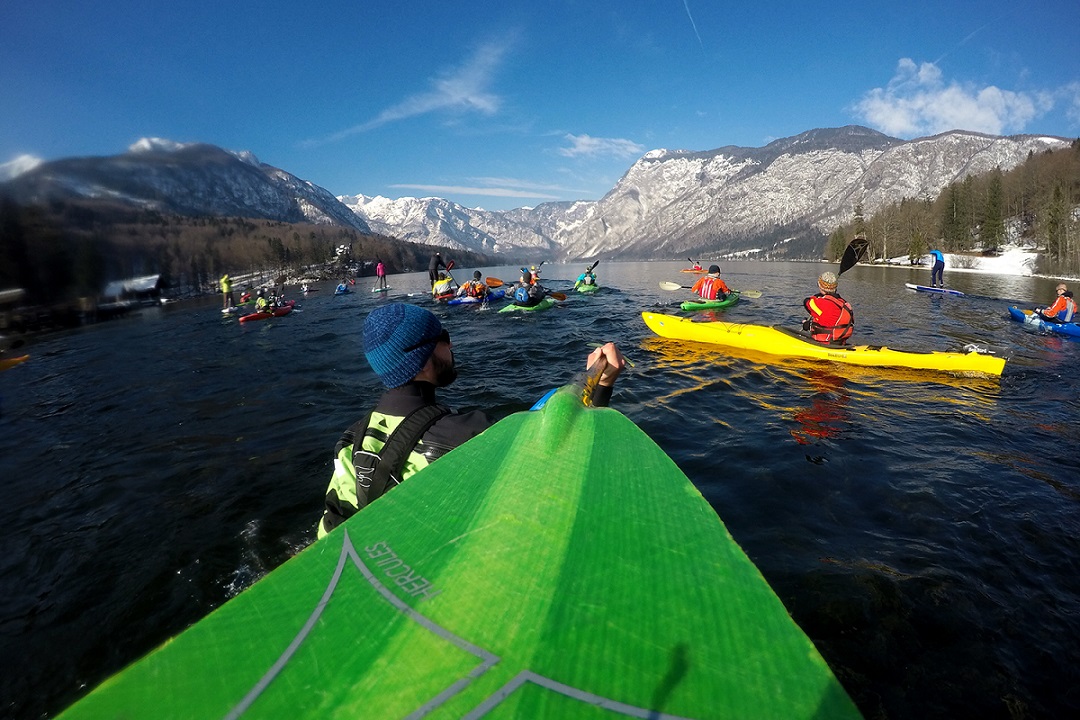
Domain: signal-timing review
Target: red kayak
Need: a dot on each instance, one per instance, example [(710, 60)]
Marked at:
[(283, 309)]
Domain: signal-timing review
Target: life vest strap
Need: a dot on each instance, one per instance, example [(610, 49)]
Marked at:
[(390, 461)]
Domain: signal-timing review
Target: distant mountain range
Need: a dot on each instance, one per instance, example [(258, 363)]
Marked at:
[(189, 179), (670, 203)]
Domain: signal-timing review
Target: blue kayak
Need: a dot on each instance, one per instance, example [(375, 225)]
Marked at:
[(469, 300), (938, 290), (1028, 317)]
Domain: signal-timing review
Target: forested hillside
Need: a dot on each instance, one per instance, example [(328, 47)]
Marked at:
[(73, 249), (1036, 203)]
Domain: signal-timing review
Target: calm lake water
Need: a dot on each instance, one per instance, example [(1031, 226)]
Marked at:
[(923, 530)]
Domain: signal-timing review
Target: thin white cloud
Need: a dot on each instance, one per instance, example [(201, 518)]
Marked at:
[(918, 101), (1071, 93), (459, 90), (693, 24), (586, 145)]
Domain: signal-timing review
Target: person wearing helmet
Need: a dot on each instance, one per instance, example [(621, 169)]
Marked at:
[(710, 286), (586, 278), (443, 287), (832, 320), (261, 303), (474, 288), (527, 291)]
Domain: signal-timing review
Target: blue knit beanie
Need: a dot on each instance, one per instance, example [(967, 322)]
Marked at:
[(388, 330)]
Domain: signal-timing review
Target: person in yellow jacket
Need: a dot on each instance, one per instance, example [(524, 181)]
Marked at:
[(226, 291)]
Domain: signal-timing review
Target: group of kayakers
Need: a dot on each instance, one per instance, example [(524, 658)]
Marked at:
[(831, 317)]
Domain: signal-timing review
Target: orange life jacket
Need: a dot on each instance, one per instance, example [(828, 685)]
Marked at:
[(711, 288), (831, 318)]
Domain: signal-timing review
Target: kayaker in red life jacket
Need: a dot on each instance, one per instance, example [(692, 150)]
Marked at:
[(831, 318), (710, 286), (1063, 309)]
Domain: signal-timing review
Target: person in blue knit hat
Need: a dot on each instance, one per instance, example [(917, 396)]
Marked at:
[(410, 351)]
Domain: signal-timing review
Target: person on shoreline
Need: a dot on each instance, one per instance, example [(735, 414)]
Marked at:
[(410, 351), (710, 286), (937, 272), (1064, 308), (832, 319)]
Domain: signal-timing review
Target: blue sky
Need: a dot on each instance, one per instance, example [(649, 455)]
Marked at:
[(502, 105)]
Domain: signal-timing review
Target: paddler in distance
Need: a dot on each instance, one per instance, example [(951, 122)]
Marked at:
[(832, 320), (473, 288), (710, 286), (410, 352), (528, 291)]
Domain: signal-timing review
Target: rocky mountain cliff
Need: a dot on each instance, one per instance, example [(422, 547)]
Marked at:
[(184, 179), (674, 202), (670, 203)]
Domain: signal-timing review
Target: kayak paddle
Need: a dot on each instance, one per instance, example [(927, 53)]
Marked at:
[(855, 251), (676, 286)]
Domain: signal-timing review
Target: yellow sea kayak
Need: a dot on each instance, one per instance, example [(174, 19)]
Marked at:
[(776, 341)]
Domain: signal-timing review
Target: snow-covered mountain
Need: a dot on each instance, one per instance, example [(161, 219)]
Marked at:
[(186, 179), (674, 201)]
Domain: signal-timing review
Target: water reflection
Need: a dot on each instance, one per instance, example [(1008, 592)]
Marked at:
[(827, 416)]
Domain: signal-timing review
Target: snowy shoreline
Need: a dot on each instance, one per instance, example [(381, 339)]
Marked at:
[(1013, 260)]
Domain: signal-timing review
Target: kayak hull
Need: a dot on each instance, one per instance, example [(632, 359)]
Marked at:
[(283, 310), (588, 289), (774, 341), (8, 363), (604, 586), (1028, 317), (694, 305), (542, 305), (928, 289), (493, 295)]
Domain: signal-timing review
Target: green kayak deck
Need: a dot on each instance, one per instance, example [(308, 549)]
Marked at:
[(544, 304), (598, 583), (693, 305)]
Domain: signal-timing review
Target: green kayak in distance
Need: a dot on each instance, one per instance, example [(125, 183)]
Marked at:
[(731, 299), (542, 305), (588, 288), (598, 583)]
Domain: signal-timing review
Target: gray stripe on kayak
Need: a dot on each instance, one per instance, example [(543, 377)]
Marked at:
[(348, 551), (527, 676)]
